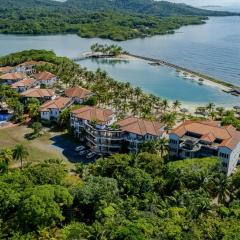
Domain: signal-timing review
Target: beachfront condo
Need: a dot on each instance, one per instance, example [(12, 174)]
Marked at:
[(99, 129), (206, 138)]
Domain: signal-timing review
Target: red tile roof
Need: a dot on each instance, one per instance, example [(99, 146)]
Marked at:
[(27, 63), (141, 126), (5, 69), (58, 103), (210, 131), (26, 82), (38, 93), (93, 113), (13, 76), (44, 76), (77, 92)]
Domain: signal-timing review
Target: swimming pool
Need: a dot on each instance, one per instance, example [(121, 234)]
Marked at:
[(5, 116)]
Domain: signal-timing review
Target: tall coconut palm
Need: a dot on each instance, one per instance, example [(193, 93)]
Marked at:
[(165, 104), (210, 107), (169, 119), (20, 153), (138, 92), (224, 189), (176, 105), (157, 146)]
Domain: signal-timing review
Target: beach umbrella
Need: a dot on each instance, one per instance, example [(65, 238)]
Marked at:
[(236, 107), (184, 110)]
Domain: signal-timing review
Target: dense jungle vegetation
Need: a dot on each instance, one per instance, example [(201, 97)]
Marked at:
[(117, 20)]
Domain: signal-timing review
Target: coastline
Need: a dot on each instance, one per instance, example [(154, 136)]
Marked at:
[(184, 73)]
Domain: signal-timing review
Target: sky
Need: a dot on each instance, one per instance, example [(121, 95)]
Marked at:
[(209, 2)]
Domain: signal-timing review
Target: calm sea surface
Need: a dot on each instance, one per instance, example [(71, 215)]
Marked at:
[(213, 48)]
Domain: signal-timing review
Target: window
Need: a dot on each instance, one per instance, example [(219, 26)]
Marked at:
[(173, 141), (224, 155), (224, 164)]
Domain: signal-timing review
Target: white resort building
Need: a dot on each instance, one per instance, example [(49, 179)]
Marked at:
[(99, 129), (207, 138), (42, 95), (45, 78), (78, 94), (27, 67), (10, 78), (23, 85), (51, 110)]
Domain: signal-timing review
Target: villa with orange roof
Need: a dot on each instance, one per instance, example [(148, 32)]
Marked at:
[(45, 78), (51, 110), (23, 85), (6, 69), (10, 78), (27, 67), (137, 130), (204, 139), (99, 129), (42, 95), (78, 94)]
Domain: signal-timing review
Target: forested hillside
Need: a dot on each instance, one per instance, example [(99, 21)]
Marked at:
[(120, 19), (150, 7)]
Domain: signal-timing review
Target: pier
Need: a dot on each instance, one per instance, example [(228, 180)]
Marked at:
[(86, 55), (230, 88)]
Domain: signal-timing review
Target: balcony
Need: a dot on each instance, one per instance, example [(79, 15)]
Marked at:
[(190, 146)]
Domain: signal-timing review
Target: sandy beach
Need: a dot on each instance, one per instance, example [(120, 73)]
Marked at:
[(126, 57), (202, 80)]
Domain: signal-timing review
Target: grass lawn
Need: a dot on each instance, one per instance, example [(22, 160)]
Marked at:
[(39, 149)]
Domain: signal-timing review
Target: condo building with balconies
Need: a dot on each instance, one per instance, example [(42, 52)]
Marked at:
[(99, 129), (205, 139)]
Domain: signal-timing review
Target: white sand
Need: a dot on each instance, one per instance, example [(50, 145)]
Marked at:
[(204, 82)]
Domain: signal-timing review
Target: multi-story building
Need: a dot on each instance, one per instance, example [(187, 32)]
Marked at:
[(78, 94), (99, 130), (27, 67), (45, 78), (42, 95), (10, 78), (6, 69), (206, 138), (135, 131), (93, 126), (51, 110), (23, 85)]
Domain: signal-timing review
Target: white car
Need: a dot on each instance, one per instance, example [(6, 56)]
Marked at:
[(82, 152), (79, 148), (91, 155)]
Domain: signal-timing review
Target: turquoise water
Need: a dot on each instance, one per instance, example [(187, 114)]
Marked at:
[(161, 81), (212, 48)]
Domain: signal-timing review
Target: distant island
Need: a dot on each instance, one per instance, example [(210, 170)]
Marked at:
[(120, 20)]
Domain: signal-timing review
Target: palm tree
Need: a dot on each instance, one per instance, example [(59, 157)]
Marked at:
[(162, 146), (169, 119), (220, 111), (138, 92), (165, 104), (20, 153), (223, 189), (157, 146), (176, 105), (6, 156), (210, 107)]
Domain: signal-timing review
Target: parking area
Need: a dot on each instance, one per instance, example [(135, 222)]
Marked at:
[(72, 150)]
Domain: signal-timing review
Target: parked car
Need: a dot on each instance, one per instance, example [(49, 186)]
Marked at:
[(82, 152), (91, 155), (79, 148)]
